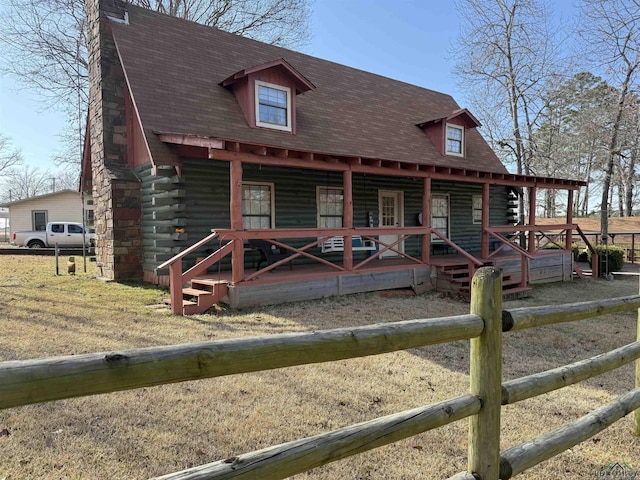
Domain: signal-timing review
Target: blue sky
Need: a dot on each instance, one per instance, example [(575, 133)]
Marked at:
[(406, 40)]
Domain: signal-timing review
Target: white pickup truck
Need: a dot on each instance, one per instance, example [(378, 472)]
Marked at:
[(64, 234)]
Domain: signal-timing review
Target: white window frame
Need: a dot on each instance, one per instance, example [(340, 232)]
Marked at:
[(319, 217), (474, 198), (448, 234), (273, 126), (272, 200), (446, 140)]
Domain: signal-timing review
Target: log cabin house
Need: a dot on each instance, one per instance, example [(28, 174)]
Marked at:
[(232, 170)]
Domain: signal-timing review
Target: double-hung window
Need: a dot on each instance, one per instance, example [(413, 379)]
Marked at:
[(477, 209), (440, 216), (273, 106), (330, 207), (257, 206), (455, 140)]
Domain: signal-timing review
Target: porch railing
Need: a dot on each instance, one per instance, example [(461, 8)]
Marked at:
[(314, 237)]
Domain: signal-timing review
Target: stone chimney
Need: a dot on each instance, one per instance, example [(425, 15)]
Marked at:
[(116, 190)]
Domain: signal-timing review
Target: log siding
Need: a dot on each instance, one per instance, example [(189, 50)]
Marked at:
[(200, 203)]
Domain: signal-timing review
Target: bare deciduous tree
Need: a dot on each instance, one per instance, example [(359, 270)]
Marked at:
[(505, 49), (611, 28), (9, 155), (25, 182), (571, 139), (43, 44)]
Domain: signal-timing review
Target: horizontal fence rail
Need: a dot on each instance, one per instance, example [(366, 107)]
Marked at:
[(529, 317), (528, 454), (284, 460), (533, 385), (34, 381)]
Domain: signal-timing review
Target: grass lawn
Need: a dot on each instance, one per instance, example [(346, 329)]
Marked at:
[(153, 431)]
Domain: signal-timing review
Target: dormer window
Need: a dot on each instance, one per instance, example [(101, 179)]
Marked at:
[(273, 106), (267, 94), (455, 140), (448, 133)]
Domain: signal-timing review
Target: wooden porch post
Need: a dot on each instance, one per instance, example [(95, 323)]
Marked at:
[(569, 239), (426, 220), (484, 251), (347, 186), (532, 218), (235, 209)]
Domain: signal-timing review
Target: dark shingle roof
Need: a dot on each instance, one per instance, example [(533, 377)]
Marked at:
[(175, 68)]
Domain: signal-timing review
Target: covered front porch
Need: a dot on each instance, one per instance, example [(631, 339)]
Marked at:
[(285, 279), (421, 220)]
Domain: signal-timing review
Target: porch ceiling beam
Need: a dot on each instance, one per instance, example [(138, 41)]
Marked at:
[(299, 159), (277, 156), (282, 153), (191, 140), (259, 150), (490, 178), (244, 157)]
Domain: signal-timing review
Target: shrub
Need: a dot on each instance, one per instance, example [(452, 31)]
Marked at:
[(575, 250), (612, 253), (583, 256)]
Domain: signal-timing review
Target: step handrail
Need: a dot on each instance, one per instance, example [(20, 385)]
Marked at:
[(177, 279), (186, 252), (456, 247)]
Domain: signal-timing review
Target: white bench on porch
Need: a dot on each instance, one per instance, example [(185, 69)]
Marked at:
[(336, 244)]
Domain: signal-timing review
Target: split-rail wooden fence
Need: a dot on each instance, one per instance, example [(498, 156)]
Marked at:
[(34, 381)]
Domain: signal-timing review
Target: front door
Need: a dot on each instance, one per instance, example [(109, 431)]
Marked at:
[(390, 208)]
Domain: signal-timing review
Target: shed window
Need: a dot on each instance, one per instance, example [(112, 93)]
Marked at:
[(273, 106), (39, 218), (257, 206), (440, 215), (330, 207), (455, 140), (477, 209)]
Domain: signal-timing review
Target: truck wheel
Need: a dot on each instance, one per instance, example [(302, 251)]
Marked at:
[(35, 244)]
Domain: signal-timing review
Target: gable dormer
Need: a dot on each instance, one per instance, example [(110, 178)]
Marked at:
[(267, 94), (449, 133)]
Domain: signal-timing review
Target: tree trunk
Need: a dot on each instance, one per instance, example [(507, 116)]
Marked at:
[(604, 217)]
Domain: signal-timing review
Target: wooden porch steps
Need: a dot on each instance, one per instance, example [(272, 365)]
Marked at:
[(201, 296), (457, 278), (515, 292)]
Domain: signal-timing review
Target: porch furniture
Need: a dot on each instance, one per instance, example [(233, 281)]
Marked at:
[(268, 252), (336, 244)]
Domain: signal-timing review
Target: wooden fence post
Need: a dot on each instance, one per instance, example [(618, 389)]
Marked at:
[(636, 414), (486, 374)]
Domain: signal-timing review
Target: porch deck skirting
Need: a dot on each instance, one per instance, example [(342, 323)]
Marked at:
[(254, 294)]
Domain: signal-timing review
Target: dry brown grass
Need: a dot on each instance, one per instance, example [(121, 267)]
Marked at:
[(152, 431)]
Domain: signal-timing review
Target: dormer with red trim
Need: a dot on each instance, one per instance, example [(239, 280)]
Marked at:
[(267, 94), (448, 134)]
